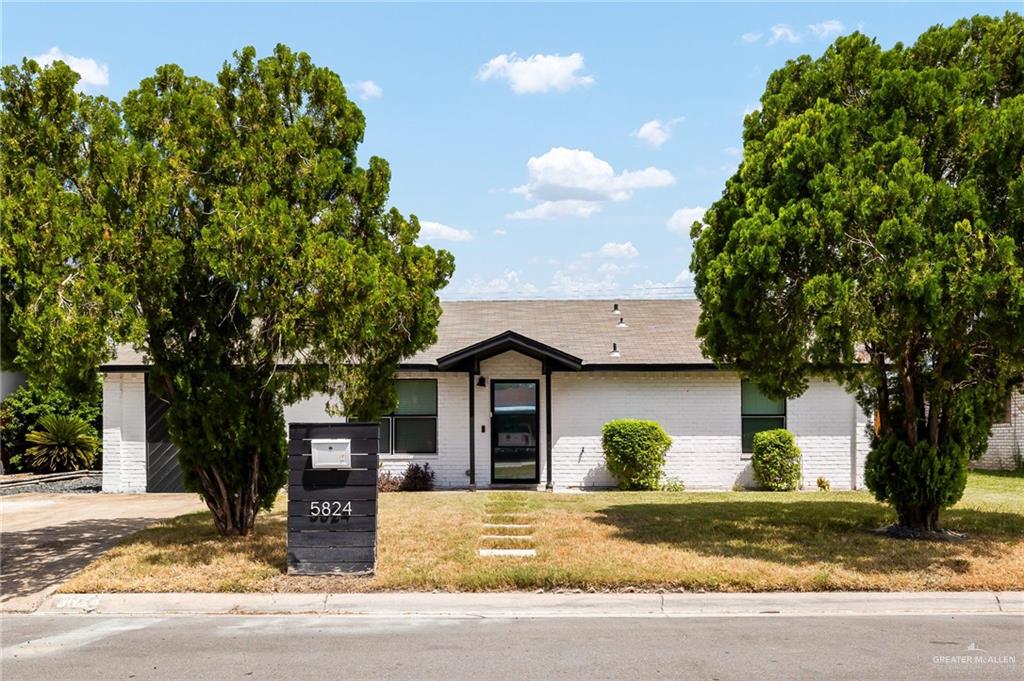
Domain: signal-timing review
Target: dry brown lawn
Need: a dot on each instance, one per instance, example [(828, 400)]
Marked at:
[(730, 541)]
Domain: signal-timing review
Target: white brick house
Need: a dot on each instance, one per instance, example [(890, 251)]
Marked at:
[(1006, 442), (515, 393)]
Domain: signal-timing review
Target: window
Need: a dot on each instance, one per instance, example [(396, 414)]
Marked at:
[(759, 412), (412, 428)]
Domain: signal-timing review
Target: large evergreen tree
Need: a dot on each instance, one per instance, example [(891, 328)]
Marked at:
[(874, 233), (260, 259)]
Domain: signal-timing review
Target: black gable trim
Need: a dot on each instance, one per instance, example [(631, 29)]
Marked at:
[(467, 358)]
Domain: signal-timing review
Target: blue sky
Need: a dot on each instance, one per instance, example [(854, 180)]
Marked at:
[(556, 150)]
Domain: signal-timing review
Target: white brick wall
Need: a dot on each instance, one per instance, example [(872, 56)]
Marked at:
[(124, 432), (699, 409), (701, 412), (824, 421), (452, 459), (1006, 438)]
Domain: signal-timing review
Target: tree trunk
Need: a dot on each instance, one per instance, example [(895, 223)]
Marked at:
[(919, 518), (234, 513)]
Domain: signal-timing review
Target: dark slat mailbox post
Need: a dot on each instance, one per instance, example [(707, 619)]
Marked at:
[(332, 498)]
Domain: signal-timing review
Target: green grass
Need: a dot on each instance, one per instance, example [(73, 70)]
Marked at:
[(722, 541)]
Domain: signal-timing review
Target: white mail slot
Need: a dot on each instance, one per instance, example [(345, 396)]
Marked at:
[(331, 453)]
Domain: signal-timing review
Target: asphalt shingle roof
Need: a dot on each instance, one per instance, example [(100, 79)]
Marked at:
[(658, 331)]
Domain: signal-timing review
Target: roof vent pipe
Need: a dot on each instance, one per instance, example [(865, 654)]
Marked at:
[(615, 309), (615, 351), (622, 323)]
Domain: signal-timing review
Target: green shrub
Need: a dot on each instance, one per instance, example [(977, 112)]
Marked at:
[(20, 413), (634, 452), (62, 443), (917, 480), (417, 478), (776, 460), (673, 485)]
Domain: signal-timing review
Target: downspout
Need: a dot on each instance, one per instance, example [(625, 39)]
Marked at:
[(472, 433), (547, 419)]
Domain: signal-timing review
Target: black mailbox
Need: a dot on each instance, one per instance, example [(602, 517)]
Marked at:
[(332, 498)]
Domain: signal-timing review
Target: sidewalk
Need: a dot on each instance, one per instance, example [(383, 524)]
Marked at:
[(543, 605)]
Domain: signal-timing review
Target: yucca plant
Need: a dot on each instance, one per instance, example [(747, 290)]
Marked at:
[(62, 443)]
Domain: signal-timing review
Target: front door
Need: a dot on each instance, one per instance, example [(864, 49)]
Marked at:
[(515, 432)]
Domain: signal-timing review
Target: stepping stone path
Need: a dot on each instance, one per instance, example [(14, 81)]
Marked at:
[(507, 527)]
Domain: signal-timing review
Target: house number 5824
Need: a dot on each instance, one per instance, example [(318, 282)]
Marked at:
[(322, 509)]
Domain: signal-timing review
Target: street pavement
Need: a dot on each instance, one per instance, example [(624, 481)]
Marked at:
[(46, 538), (765, 648)]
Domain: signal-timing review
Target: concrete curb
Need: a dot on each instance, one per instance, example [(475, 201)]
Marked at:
[(532, 605)]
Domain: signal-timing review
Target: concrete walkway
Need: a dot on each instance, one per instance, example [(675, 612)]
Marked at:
[(46, 538), (544, 605)]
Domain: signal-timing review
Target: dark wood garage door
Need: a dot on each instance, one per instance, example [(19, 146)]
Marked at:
[(163, 473)]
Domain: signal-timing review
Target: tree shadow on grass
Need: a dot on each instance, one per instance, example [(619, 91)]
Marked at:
[(801, 533), (193, 540)]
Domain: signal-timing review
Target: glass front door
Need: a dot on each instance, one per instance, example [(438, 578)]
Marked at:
[(515, 432)]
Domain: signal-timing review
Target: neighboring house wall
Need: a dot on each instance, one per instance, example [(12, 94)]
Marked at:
[(124, 432), (1007, 439), (9, 382)]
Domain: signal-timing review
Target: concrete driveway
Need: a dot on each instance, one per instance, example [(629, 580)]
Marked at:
[(46, 538)]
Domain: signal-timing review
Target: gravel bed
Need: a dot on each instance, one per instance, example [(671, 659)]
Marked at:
[(88, 484)]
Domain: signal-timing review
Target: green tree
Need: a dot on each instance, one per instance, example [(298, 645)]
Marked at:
[(873, 233), (262, 261), (60, 300)]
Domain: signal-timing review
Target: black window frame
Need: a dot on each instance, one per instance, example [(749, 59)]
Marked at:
[(391, 419), (784, 416)]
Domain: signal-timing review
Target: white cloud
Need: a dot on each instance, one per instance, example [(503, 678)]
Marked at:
[(500, 232), (684, 278), (575, 182), (93, 74), (563, 174), (826, 29), (509, 284), (751, 37), (683, 219), (435, 231), (680, 287), (537, 73), (624, 250), (656, 132), (735, 152), (783, 32), (552, 210), (369, 90)]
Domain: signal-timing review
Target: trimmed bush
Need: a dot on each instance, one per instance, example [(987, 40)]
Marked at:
[(917, 481), (776, 460), (634, 452), (62, 443), (21, 411), (824, 485), (416, 478)]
